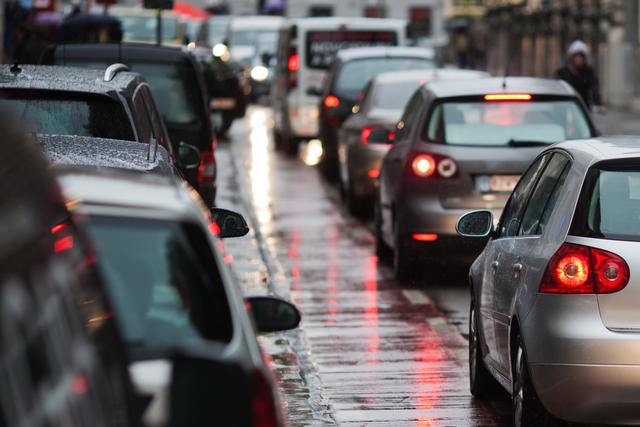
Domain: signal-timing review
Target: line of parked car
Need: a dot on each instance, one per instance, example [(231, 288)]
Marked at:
[(118, 307), (506, 175)]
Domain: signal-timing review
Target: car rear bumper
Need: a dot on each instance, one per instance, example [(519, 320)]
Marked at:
[(582, 371), (363, 164), (607, 394)]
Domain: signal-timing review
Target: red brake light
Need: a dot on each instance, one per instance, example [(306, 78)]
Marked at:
[(366, 132), (373, 173), (294, 62), (207, 168), (423, 165), (576, 269), (263, 403), (331, 101), (392, 136), (425, 237), (507, 97)]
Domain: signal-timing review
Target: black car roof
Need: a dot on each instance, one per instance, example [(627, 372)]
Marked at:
[(121, 52), (66, 79), (103, 153)]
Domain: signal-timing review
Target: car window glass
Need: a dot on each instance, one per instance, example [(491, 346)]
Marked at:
[(156, 122), (403, 129), (510, 221), (163, 291), (141, 116), (542, 194), (551, 203)]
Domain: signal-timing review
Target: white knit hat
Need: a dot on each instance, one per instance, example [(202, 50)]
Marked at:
[(577, 47)]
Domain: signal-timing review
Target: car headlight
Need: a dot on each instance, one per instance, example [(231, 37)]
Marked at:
[(221, 51), (259, 73)]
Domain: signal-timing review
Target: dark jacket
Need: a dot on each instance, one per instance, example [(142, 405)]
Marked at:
[(585, 82)]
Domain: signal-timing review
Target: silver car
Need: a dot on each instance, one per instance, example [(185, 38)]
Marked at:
[(365, 137), (555, 293), (461, 145)]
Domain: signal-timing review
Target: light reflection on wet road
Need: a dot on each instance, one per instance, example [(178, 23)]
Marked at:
[(383, 353)]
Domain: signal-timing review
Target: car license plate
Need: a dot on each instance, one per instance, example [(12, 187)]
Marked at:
[(223, 103), (496, 183)]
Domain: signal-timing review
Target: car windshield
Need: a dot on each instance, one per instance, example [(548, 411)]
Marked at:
[(54, 114), (393, 96), (355, 74), (507, 123), (143, 28), (162, 282)]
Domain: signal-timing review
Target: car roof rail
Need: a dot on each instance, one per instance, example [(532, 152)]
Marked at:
[(112, 70)]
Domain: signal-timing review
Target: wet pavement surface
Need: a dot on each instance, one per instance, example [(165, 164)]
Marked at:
[(371, 351)]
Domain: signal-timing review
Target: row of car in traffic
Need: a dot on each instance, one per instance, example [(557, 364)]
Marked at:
[(118, 306), (508, 175)]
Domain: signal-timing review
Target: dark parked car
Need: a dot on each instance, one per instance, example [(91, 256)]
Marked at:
[(60, 356), (461, 145), (109, 103), (165, 272), (178, 88), (351, 71)]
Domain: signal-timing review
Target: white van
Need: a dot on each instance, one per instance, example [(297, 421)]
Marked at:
[(306, 50)]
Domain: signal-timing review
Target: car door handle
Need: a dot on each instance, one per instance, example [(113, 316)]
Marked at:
[(517, 267), (495, 265)]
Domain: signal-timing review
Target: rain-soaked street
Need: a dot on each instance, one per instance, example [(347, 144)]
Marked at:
[(370, 350)]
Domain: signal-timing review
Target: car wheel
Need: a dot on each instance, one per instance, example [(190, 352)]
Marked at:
[(227, 121), (357, 206), (290, 146), (528, 411), (403, 264), (383, 251), (277, 139), (481, 382)]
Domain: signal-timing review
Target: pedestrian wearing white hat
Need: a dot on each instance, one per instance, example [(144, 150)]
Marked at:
[(579, 74)]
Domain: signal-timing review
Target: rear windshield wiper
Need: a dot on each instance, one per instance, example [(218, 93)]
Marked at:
[(526, 143)]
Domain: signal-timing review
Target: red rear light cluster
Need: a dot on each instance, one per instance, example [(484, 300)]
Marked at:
[(331, 101), (577, 269), (293, 65), (263, 403), (425, 165), (207, 168), (366, 133)]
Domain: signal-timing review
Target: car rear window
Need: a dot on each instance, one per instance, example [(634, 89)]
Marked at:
[(162, 282), (143, 28), (393, 96), (322, 46), (609, 206), (63, 114), (480, 123), (354, 75)]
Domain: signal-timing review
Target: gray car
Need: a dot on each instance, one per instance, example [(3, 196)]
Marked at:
[(555, 293), (365, 137), (463, 145)]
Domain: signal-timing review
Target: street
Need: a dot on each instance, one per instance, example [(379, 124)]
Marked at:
[(370, 350)]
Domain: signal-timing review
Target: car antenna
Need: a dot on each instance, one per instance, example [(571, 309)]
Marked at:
[(15, 69), (506, 71)]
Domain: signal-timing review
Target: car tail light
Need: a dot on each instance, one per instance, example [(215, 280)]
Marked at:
[(263, 403), (293, 65), (425, 165), (365, 134), (207, 168), (331, 101), (577, 269), (425, 237), (507, 97), (373, 173)]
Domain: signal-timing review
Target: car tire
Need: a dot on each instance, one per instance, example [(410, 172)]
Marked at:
[(527, 408), (227, 121), (277, 139), (383, 251), (481, 382), (290, 146), (403, 265), (357, 206)]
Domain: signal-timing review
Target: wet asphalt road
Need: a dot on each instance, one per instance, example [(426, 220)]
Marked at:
[(371, 351)]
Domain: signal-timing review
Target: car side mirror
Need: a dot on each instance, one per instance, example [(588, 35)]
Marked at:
[(314, 91), (475, 224), (188, 156), (273, 314), (380, 136), (231, 223)]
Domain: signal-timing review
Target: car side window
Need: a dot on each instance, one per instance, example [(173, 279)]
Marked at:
[(541, 195), (156, 122), (512, 214), (551, 202), (141, 117), (411, 112)]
